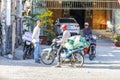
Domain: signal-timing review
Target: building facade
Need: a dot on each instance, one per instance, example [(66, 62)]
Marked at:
[(96, 12)]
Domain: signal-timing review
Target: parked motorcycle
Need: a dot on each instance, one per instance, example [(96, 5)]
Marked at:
[(28, 47), (28, 50), (48, 55), (91, 50)]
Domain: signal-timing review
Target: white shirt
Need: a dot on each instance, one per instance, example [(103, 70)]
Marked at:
[(35, 35), (66, 35)]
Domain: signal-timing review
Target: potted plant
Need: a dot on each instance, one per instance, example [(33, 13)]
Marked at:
[(47, 29), (116, 38), (47, 21), (50, 35)]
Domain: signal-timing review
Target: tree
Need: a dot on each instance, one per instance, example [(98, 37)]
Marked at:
[(30, 20)]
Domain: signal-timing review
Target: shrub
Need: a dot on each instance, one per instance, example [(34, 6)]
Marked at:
[(116, 38)]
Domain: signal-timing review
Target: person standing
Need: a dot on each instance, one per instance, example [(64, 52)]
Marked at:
[(36, 41)]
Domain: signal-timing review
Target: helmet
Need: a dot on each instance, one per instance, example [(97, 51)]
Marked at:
[(86, 24), (64, 27)]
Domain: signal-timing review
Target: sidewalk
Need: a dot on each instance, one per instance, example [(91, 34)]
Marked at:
[(106, 52), (105, 55), (19, 51), (103, 34)]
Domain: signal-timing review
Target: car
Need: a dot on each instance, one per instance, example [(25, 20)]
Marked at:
[(73, 26)]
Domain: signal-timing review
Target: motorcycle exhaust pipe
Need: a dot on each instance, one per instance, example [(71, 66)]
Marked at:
[(72, 51)]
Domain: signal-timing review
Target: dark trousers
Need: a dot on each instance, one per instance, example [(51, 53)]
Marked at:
[(59, 53)]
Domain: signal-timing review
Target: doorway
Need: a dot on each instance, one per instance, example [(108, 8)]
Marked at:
[(79, 15)]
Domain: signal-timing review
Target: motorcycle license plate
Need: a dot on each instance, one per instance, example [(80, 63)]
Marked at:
[(28, 43)]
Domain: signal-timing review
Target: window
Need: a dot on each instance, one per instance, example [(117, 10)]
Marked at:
[(67, 21)]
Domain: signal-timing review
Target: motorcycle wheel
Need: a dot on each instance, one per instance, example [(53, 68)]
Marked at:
[(79, 60), (25, 54), (31, 54), (92, 54), (47, 58)]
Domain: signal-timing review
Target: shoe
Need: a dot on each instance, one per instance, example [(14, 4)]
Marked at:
[(58, 66), (37, 62), (67, 59)]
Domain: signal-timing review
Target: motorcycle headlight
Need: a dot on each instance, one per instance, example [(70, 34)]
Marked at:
[(54, 40), (28, 43)]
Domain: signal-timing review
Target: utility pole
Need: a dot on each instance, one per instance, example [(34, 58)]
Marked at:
[(19, 21), (8, 27), (13, 27), (6, 23), (3, 22)]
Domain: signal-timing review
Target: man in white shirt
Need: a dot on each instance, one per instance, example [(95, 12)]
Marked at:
[(66, 35), (36, 42)]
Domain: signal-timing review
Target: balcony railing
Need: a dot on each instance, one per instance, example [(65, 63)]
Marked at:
[(80, 4)]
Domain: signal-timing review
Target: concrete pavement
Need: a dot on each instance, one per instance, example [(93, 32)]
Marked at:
[(104, 34), (106, 66), (25, 71), (106, 52)]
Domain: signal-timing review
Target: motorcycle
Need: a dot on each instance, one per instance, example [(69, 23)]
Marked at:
[(48, 55), (28, 47), (28, 50), (91, 50)]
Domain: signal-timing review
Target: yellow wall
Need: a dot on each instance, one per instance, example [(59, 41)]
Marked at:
[(99, 17)]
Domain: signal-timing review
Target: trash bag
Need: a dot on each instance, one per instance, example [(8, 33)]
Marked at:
[(76, 42), (71, 41), (80, 42), (85, 42), (69, 46)]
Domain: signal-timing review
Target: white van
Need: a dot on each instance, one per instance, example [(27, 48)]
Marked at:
[(73, 26)]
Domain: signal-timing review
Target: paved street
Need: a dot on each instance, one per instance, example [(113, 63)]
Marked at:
[(41, 20), (106, 66)]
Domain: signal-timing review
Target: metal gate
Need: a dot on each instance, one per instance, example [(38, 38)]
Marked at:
[(79, 4)]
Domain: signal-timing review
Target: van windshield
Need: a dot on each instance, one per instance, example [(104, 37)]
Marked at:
[(67, 21)]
